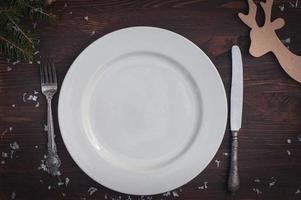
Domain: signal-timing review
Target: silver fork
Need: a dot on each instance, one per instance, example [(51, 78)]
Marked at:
[(49, 88)]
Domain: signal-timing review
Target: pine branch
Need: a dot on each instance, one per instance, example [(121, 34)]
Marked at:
[(17, 39), (9, 48)]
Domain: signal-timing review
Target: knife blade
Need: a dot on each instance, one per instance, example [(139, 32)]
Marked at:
[(236, 90), (235, 116)]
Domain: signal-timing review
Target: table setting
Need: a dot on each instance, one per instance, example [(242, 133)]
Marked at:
[(150, 100)]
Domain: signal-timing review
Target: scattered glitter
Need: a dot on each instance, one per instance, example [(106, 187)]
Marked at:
[(67, 180), (16, 62), (86, 18), (92, 33), (289, 152), (49, 187), (281, 7), (166, 194), (70, 13), (14, 145), (10, 129), (299, 138), (92, 190), (30, 62), (289, 141), (45, 127), (38, 62), (271, 184), (13, 105), (60, 183), (4, 155), (298, 191), (257, 180), (37, 105), (8, 69), (13, 195), (35, 53), (175, 194), (217, 163), (2, 162), (36, 147), (225, 153), (203, 187), (257, 191)]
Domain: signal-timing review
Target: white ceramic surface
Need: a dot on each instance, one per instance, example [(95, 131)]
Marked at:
[(142, 110)]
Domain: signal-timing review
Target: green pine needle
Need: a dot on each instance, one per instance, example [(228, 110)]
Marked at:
[(18, 39)]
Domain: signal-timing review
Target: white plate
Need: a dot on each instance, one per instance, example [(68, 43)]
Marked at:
[(142, 110)]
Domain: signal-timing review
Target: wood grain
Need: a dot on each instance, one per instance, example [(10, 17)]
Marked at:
[(272, 106)]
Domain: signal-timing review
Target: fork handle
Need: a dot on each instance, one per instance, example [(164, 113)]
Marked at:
[(233, 181), (52, 160)]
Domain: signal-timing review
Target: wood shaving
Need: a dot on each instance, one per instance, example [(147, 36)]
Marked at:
[(298, 191), (289, 141), (2, 162), (86, 18), (13, 105), (281, 7), (289, 152)]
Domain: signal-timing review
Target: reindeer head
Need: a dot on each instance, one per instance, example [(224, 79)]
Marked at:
[(261, 37)]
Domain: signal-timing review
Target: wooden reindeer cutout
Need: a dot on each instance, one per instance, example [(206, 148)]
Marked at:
[(264, 39)]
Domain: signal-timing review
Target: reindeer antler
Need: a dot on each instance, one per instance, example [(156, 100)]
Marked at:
[(267, 8), (250, 18)]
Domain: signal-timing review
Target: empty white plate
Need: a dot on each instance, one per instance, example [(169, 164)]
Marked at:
[(142, 110)]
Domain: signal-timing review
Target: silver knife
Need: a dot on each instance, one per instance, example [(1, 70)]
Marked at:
[(236, 115)]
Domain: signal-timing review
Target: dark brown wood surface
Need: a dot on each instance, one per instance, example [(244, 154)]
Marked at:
[(272, 100)]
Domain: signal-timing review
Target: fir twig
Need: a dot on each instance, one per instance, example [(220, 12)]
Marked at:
[(17, 36)]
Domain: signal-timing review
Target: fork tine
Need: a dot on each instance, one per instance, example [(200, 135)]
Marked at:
[(49, 71), (54, 73), (42, 74)]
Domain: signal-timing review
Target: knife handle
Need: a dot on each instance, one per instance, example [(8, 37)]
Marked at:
[(233, 181)]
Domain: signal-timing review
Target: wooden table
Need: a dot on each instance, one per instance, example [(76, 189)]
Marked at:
[(272, 106)]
